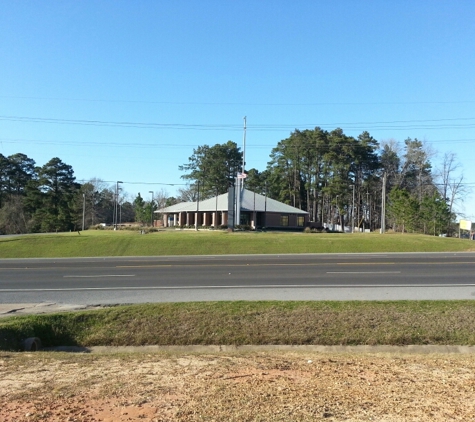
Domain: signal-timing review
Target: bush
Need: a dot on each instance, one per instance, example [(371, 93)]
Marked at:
[(244, 227)]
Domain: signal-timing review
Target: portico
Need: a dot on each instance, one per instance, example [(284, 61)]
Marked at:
[(256, 211)]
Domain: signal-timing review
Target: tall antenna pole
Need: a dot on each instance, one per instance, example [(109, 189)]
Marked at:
[(244, 150), (240, 178)]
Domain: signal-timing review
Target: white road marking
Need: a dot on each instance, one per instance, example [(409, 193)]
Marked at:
[(363, 272), (259, 286), (98, 276)]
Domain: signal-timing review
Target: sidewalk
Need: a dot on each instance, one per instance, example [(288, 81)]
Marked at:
[(11, 309)]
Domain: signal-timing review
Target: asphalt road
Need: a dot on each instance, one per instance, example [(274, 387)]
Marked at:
[(383, 276)]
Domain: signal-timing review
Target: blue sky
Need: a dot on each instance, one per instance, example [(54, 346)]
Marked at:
[(124, 90)]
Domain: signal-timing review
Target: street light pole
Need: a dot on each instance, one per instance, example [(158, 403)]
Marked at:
[(114, 207), (197, 206), (353, 212), (83, 209), (151, 208), (116, 203), (265, 207)]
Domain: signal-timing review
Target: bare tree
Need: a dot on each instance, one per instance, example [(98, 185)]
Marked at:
[(13, 217), (160, 201), (451, 185), (188, 194), (160, 197), (98, 201)]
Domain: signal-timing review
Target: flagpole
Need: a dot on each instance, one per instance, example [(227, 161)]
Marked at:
[(238, 199), (240, 177), (244, 151)]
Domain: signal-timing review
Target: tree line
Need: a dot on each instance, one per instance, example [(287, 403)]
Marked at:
[(336, 178), (341, 179)]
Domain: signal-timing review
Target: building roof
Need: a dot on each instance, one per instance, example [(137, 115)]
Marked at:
[(250, 201)]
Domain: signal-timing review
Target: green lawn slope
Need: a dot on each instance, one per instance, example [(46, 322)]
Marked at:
[(204, 242)]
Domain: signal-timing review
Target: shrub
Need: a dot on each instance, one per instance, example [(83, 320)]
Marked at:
[(244, 227)]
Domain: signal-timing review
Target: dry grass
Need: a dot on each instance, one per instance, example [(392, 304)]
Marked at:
[(270, 386)]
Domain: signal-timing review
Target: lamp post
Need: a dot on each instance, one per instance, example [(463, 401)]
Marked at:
[(83, 210), (151, 208), (368, 211), (116, 203), (197, 205), (353, 212), (265, 205)]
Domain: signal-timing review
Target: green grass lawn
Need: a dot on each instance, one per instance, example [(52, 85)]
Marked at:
[(258, 323), (204, 242)]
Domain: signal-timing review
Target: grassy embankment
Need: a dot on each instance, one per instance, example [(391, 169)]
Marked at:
[(237, 323), (126, 243)]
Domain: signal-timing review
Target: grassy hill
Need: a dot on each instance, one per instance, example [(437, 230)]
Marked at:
[(204, 242)]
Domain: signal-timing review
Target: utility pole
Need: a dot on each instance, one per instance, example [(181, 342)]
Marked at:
[(151, 208), (383, 205)]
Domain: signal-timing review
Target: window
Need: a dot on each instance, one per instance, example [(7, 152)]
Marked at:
[(284, 220), (300, 220), (245, 220)]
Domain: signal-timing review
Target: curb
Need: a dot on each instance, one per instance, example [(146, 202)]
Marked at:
[(363, 349)]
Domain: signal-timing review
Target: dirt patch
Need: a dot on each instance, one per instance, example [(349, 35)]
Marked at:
[(245, 386)]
